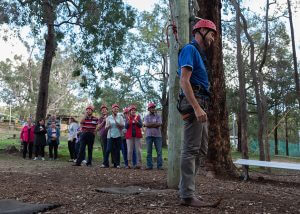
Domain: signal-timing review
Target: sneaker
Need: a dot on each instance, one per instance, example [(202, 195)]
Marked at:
[(160, 168), (74, 160), (43, 158), (103, 166), (84, 162), (149, 168), (75, 164), (71, 160), (118, 167), (36, 158)]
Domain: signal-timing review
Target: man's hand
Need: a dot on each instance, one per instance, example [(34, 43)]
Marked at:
[(200, 114)]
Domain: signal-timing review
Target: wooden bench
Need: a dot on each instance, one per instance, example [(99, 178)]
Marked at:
[(269, 164)]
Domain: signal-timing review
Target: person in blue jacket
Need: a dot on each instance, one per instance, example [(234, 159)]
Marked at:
[(53, 140)]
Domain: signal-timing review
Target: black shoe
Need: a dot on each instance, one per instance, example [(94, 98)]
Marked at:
[(76, 164), (89, 164), (149, 168)]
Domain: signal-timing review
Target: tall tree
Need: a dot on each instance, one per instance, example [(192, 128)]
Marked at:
[(296, 74), (179, 17), (96, 27), (219, 142), (21, 81), (148, 64), (243, 115), (255, 83)]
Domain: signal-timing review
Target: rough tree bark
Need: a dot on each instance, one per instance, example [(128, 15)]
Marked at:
[(49, 16), (219, 141), (263, 124), (243, 116), (255, 82), (296, 74)]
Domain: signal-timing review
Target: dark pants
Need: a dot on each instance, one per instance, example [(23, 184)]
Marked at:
[(71, 147), (77, 150), (87, 139), (30, 147), (39, 150), (52, 147), (104, 148), (124, 151), (114, 147)]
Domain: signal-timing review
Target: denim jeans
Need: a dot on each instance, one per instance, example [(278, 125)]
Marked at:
[(158, 147)]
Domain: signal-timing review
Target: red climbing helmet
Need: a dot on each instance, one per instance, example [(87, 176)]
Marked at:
[(151, 105), (132, 107), (103, 106), (115, 105), (125, 110), (205, 23), (90, 107)]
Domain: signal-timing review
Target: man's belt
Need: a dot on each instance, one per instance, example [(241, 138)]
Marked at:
[(200, 90)]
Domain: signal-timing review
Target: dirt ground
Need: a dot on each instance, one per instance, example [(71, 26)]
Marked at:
[(74, 189)]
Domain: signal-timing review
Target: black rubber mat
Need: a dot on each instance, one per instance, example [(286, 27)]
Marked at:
[(16, 207)]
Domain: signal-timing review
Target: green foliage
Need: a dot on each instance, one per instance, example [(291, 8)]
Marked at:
[(95, 29), (20, 83), (277, 72), (145, 66)]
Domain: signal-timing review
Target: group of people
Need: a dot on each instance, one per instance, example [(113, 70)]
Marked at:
[(124, 131), (120, 132), (36, 137)]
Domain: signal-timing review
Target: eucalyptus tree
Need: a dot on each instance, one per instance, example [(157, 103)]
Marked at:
[(219, 142), (97, 29), (146, 58), (20, 82)]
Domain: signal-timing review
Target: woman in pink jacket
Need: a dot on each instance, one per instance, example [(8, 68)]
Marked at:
[(27, 137)]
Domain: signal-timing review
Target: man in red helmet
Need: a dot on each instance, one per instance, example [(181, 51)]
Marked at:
[(88, 127), (192, 104), (153, 122)]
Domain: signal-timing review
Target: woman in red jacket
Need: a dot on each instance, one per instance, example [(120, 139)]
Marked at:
[(133, 136), (27, 137)]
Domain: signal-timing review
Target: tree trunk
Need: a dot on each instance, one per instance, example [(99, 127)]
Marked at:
[(47, 62), (165, 108), (296, 75), (255, 83), (276, 128), (264, 105), (239, 145), (286, 135), (243, 116), (180, 14), (219, 140)]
